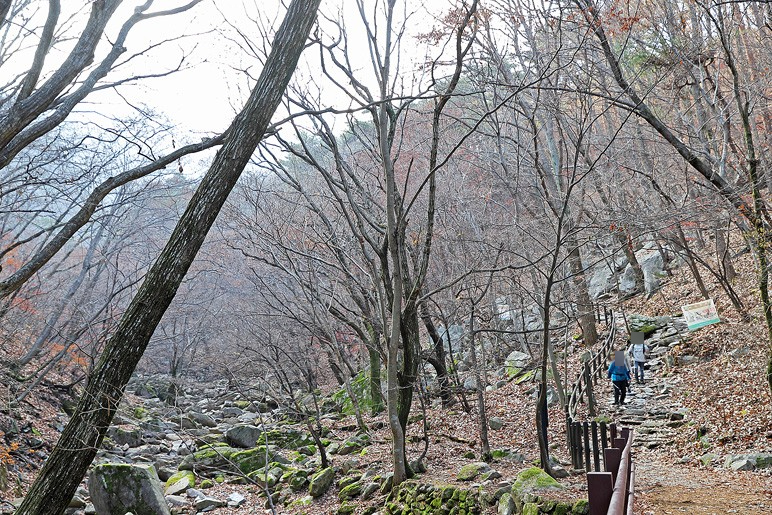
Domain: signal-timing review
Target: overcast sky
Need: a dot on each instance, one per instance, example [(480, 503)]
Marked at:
[(202, 98)]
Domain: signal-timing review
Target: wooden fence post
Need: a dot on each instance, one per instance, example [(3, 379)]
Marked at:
[(600, 486), (595, 450), (586, 431), (613, 457), (590, 395)]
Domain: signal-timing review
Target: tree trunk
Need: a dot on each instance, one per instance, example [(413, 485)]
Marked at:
[(376, 397), (482, 418), (438, 360), (583, 301), (62, 472), (682, 242), (410, 360), (723, 258)]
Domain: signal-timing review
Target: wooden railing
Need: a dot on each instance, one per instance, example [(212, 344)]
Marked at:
[(592, 371), (612, 492)]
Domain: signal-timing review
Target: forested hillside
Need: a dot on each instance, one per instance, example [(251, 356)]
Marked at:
[(375, 288)]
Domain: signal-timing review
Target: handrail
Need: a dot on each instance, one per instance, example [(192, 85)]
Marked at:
[(596, 363), (612, 492), (619, 496)]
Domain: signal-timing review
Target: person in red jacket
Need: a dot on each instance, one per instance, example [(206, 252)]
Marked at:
[(619, 374)]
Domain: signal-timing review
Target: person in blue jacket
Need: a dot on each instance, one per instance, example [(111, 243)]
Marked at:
[(619, 374)]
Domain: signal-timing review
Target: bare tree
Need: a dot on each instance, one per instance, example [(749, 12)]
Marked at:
[(65, 467)]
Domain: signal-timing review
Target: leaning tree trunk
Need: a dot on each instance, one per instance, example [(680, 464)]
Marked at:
[(61, 474)]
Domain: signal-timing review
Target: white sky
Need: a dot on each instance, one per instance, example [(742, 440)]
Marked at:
[(203, 99)]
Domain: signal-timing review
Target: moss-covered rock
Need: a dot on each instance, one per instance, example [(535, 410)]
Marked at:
[(180, 482), (580, 507), (286, 438), (530, 508), (302, 502), (412, 497), (321, 482), (533, 478), (471, 470), (351, 491), (209, 458), (352, 477), (118, 488), (179, 475), (254, 459)]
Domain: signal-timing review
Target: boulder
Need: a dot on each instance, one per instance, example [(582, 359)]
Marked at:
[(495, 423), (506, 505), (601, 282), (235, 500), (350, 491), (321, 481), (653, 268), (204, 504), (245, 436), (515, 362), (180, 482), (285, 438), (627, 284), (743, 464), (117, 488), (532, 479), (209, 458), (471, 470), (120, 436), (201, 419)]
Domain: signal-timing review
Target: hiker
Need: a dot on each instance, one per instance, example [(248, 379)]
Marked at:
[(619, 374), (638, 352)]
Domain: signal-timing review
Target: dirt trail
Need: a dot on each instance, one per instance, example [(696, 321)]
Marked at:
[(670, 489)]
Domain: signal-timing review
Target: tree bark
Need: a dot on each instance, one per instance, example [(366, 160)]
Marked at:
[(438, 359), (61, 474)]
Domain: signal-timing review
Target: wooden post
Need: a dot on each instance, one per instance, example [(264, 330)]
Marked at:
[(613, 458), (586, 431), (603, 435), (595, 448), (578, 435), (590, 395), (600, 486)]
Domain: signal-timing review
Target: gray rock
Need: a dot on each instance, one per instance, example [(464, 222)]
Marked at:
[(181, 485), (495, 423), (518, 359), (506, 505), (77, 502), (176, 500), (601, 282), (204, 504), (627, 284), (232, 411), (369, 490), (235, 500), (472, 470), (743, 464), (470, 383), (321, 481), (244, 436), (119, 488), (132, 437), (202, 419), (653, 269)]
